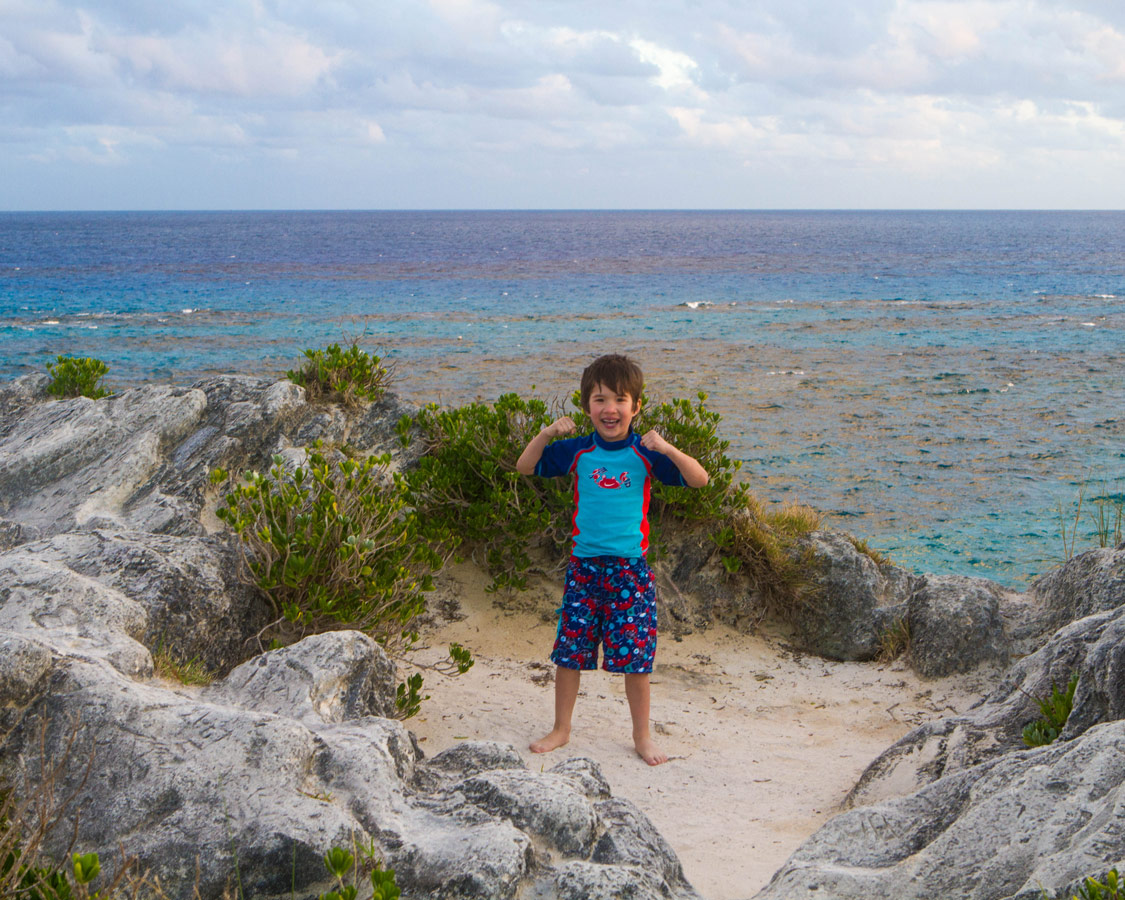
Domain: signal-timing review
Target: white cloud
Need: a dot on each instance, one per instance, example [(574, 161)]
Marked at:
[(917, 89), (676, 69)]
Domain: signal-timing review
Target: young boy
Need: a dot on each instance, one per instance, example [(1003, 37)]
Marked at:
[(608, 595)]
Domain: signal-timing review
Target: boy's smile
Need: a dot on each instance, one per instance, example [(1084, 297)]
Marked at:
[(612, 413)]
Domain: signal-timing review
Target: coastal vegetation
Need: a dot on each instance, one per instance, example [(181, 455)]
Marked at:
[(77, 376), (333, 544), (1055, 709), (1106, 520), (242, 423), (342, 375), (474, 502), (1111, 886)]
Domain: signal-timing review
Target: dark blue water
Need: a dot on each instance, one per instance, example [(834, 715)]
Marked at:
[(938, 382)]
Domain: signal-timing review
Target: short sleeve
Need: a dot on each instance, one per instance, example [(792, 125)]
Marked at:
[(557, 458), (663, 469)]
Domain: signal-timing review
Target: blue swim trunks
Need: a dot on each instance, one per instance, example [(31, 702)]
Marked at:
[(608, 601)]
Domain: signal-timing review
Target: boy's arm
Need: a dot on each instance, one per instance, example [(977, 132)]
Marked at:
[(694, 474), (533, 452)]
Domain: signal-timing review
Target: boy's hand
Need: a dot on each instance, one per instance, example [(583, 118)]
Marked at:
[(562, 425), (653, 440), (533, 452), (694, 474)]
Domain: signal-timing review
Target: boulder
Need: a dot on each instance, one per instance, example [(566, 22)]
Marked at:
[(1088, 583), (267, 769), (955, 625), (962, 807), (140, 460), (190, 587), (853, 599), (995, 726)]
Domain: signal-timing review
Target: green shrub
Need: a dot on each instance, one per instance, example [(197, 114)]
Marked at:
[(73, 376), (342, 375), (1055, 708), (693, 429), (470, 496), (334, 545), (473, 500)]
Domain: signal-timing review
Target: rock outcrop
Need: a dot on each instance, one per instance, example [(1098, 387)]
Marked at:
[(107, 554), (963, 808)]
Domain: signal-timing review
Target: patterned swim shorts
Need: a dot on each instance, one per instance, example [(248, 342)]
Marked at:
[(609, 601)]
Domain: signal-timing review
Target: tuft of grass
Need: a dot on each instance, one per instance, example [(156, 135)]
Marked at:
[(764, 542), (894, 641), (190, 672), (1107, 519), (876, 556)]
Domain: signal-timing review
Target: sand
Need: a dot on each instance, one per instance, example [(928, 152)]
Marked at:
[(765, 742)]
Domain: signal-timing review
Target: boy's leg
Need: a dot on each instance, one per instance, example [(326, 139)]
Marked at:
[(566, 693), (638, 691)]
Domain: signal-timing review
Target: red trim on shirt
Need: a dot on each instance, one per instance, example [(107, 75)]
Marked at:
[(647, 498), (574, 472)]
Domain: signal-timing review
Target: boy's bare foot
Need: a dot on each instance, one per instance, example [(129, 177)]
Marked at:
[(557, 738), (649, 752)]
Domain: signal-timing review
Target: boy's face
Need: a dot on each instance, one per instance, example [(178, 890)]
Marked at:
[(612, 412)]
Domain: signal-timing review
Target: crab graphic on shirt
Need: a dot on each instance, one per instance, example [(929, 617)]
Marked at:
[(608, 481)]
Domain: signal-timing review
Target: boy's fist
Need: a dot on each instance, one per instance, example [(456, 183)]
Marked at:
[(562, 425), (653, 440)]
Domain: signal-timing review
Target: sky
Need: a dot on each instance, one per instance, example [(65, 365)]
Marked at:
[(562, 104)]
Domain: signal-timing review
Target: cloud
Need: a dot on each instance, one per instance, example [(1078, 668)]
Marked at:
[(510, 91)]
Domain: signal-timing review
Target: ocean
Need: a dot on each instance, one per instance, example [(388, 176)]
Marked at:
[(941, 384)]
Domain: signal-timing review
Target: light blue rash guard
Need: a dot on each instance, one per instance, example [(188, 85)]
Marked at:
[(612, 488)]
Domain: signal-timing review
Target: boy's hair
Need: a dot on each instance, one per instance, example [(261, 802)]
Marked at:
[(618, 373)]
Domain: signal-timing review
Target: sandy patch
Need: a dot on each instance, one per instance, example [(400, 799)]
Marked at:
[(765, 742)]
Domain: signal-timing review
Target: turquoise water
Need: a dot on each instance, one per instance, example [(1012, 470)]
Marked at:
[(938, 383)]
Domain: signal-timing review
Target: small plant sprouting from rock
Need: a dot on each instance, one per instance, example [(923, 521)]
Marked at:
[(876, 556), (894, 640), (190, 672), (341, 865), (1055, 708), (342, 375), (77, 376), (1110, 887)]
